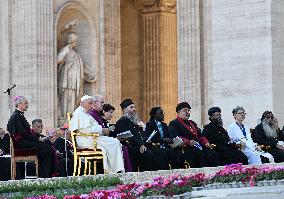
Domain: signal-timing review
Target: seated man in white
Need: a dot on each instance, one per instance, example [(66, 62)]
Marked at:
[(85, 123), (240, 133)]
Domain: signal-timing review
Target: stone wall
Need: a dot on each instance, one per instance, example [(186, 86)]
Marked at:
[(29, 56), (242, 58), (277, 28), (229, 54)]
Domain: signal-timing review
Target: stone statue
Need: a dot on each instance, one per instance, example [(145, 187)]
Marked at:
[(71, 76)]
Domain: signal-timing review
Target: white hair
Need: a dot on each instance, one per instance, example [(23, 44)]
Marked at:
[(97, 97), (19, 100), (237, 109)]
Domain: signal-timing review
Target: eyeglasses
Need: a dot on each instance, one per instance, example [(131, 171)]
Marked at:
[(242, 113)]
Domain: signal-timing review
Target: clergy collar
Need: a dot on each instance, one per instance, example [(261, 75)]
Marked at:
[(84, 109), (22, 112), (158, 122)]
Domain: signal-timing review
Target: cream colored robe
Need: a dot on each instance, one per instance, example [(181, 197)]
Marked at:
[(111, 147)]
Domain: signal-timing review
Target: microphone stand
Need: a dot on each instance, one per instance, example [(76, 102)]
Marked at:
[(8, 91), (66, 158)]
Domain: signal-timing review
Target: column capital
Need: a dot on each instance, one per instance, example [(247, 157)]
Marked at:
[(148, 6)]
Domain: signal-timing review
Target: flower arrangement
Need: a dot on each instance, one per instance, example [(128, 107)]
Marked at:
[(174, 185), (177, 184)]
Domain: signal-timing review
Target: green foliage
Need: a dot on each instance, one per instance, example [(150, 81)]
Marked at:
[(53, 186)]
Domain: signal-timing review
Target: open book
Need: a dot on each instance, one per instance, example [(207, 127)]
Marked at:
[(125, 135), (177, 141)]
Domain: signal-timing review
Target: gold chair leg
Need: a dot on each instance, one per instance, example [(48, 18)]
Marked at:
[(13, 170), (79, 167), (85, 166), (36, 164), (89, 164), (186, 164), (95, 167), (75, 165)]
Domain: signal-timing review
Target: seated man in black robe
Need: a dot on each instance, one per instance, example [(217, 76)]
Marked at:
[(61, 144), (197, 150), (24, 138), (140, 155), (215, 133), (160, 137), (5, 162), (268, 134)]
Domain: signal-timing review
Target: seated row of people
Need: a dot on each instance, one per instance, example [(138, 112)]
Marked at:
[(152, 146)]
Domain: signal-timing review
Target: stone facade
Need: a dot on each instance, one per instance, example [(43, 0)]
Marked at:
[(227, 53), (230, 51)]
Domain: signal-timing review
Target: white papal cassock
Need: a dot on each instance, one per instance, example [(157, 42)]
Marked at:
[(236, 134), (111, 147)]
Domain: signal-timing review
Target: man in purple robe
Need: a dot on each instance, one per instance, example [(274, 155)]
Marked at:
[(96, 112)]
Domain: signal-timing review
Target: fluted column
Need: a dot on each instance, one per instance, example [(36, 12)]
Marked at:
[(33, 65), (189, 67), (112, 54), (160, 57), (5, 80)]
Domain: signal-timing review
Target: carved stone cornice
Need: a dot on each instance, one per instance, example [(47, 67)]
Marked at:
[(156, 5)]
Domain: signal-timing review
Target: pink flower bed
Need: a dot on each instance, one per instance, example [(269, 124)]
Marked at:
[(177, 184)]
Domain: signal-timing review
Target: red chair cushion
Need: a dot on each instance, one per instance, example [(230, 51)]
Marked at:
[(82, 150), (24, 152)]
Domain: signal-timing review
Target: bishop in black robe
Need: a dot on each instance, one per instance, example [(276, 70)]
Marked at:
[(148, 160), (196, 148), (24, 138)]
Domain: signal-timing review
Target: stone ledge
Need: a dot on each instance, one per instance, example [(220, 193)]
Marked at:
[(145, 176)]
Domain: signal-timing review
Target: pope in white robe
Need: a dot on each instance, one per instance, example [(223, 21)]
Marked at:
[(85, 123)]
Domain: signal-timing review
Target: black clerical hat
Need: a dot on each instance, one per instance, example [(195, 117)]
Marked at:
[(182, 105), (126, 103), (213, 110)]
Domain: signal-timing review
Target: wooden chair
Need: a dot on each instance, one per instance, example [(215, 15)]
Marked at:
[(89, 155), (22, 155)]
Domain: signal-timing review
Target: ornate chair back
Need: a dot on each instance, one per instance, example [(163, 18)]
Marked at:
[(93, 154)]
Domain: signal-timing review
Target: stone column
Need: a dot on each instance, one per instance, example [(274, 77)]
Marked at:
[(112, 54), (160, 57), (189, 68), (33, 66), (5, 80)]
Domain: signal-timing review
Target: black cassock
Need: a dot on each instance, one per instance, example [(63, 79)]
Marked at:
[(175, 156), (228, 153), (260, 138), (59, 145), (188, 130), (151, 159), (24, 138), (5, 162)]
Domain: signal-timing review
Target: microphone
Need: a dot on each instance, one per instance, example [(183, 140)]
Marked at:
[(10, 88)]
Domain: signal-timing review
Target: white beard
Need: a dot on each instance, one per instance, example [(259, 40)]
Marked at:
[(268, 130)]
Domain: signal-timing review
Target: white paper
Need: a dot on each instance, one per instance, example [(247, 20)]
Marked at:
[(125, 135), (5, 156), (177, 141), (151, 136), (111, 128)]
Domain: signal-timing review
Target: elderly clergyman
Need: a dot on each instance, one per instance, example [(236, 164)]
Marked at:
[(85, 123), (268, 133)]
